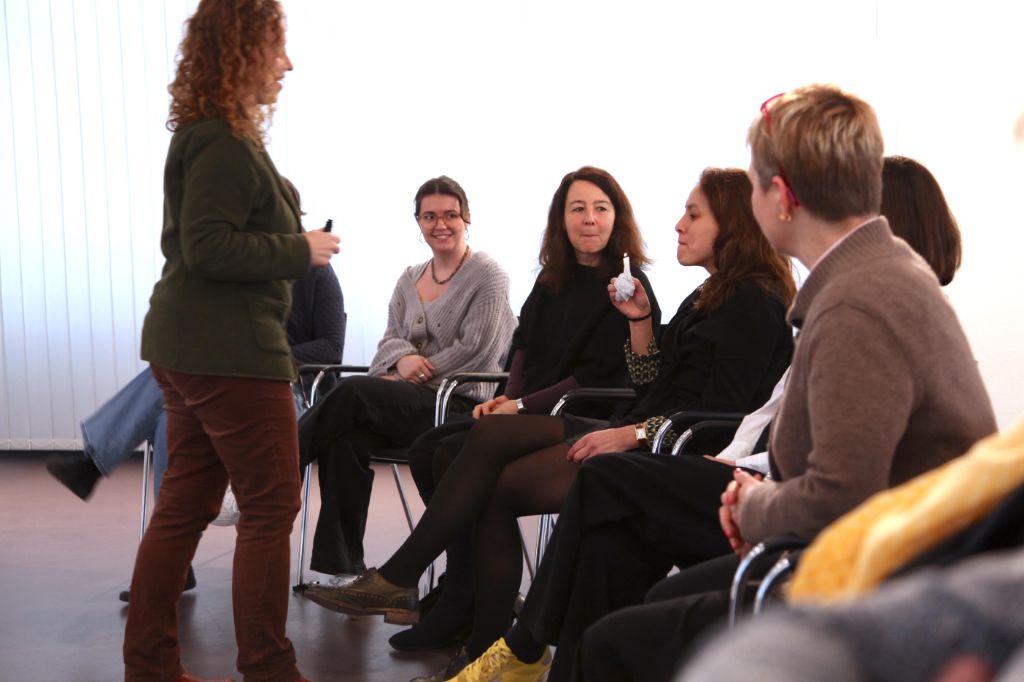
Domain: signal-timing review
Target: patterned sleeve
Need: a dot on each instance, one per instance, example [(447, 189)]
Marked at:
[(651, 426), (643, 368)]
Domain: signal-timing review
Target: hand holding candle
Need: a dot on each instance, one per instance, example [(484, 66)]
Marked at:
[(624, 286)]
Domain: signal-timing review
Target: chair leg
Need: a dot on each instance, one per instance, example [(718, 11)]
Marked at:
[(147, 463), (545, 527), (526, 551), (782, 568), (299, 585), (401, 496), (739, 582)]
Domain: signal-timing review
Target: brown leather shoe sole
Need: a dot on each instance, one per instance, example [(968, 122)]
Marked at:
[(394, 616)]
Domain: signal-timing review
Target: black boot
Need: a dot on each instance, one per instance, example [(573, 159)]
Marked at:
[(75, 470), (190, 584), (448, 623)]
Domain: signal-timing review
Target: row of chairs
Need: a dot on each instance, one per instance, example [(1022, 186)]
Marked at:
[(689, 425)]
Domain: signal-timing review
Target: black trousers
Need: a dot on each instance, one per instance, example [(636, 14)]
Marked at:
[(649, 642), (652, 641), (360, 416), (628, 519)]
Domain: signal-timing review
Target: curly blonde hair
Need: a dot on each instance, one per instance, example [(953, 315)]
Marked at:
[(222, 55)]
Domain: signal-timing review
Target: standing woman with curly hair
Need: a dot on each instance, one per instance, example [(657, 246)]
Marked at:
[(215, 338)]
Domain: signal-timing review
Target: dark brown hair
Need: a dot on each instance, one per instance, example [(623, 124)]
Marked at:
[(222, 55), (917, 211), (827, 146), (741, 250), (557, 256), (445, 186)]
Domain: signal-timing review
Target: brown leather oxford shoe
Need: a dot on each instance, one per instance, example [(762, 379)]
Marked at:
[(370, 595)]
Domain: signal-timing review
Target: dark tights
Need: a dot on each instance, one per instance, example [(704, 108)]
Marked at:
[(534, 484), (509, 466)]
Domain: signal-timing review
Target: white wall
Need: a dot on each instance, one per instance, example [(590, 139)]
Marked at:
[(506, 98)]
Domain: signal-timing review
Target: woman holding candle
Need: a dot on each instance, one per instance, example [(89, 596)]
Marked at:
[(725, 349)]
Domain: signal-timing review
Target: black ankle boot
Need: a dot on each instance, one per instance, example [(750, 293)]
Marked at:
[(75, 470), (450, 620)]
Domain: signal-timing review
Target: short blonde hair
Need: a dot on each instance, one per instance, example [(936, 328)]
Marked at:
[(827, 146)]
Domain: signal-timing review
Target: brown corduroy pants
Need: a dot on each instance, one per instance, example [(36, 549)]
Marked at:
[(220, 428)]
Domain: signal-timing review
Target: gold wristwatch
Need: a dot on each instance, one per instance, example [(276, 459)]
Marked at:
[(640, 431)]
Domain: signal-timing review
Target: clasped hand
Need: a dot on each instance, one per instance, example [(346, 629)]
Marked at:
[(735, 495), (500, 405)]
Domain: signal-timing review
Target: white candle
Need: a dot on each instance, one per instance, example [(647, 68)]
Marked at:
[(625, 264)]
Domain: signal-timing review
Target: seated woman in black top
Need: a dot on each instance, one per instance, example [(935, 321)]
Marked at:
[(569, 336), (725, 349)]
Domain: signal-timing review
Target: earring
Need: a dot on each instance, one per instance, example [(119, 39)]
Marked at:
[(465, 233), (785, 217), (422, 239)]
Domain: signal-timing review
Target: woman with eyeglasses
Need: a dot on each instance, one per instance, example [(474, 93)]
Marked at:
[(447, 314), (724, 350)]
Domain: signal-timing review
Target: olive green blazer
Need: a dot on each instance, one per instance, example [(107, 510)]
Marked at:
[(233, 243)]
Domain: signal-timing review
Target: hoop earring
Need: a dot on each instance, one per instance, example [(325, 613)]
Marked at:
[(422, 239), (465, 234)]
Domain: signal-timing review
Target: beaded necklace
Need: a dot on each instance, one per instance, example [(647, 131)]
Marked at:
[(433, 273)]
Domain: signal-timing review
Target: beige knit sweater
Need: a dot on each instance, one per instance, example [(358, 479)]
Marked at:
[(467, 329), (883, 387)]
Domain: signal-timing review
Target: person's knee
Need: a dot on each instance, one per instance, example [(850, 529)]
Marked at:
[(606, 466), (667, 588), (268, 517), (603, 634), (447, 451), (192, 506), (421, 466)]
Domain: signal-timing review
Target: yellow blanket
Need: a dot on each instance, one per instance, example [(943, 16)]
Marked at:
[(864, 547)]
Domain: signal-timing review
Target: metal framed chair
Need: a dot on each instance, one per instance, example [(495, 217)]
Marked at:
[(773, 579), (147, 466), (692, 423), (393, 457), (756, 558), (546, 523)]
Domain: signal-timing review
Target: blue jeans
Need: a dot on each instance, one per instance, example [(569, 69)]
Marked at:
[(134, 414)]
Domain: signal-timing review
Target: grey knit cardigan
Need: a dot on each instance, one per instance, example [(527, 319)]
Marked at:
[(467, 329)]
